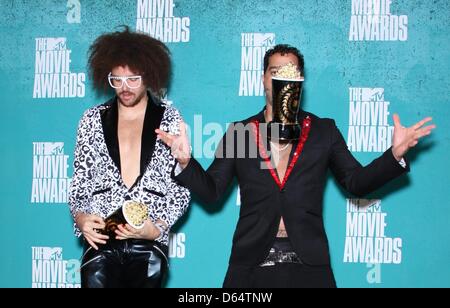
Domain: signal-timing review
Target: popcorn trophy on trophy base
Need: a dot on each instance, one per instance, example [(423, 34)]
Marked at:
[(287, 85), (131, 212)]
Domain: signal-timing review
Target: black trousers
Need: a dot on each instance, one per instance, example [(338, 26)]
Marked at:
[(283, 275), (124, 264), (280, 275)]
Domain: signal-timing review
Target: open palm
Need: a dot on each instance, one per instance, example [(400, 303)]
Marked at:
[(407, 137), (179, 144)]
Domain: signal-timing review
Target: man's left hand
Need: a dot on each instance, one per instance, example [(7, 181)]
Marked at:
[(407, 137)]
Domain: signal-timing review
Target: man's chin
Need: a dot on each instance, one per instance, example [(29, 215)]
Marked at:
[(130, 100), (128, 103)]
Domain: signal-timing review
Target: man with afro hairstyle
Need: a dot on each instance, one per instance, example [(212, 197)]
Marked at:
[(118, 159)]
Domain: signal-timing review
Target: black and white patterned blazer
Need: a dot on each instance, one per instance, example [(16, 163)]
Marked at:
[(97, 186)]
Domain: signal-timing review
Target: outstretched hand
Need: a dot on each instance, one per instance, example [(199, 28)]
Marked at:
[(179, 144), (407, 137)]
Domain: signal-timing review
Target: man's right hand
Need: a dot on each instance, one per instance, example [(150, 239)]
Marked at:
[(179, 144), (89, 224)]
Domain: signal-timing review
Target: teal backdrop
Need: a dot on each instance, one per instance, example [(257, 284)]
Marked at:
[(364, 61)]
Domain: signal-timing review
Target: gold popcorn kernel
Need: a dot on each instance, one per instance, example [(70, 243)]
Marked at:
[(135, 213), (288, 71)]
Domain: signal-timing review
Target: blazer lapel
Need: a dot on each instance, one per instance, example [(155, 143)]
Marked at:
[(110, 118), (297, 146), (153, 116)]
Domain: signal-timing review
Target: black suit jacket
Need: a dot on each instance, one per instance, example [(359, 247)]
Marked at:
[(299, 202)]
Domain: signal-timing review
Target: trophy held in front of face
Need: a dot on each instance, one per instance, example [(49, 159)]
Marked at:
[(287, 84)]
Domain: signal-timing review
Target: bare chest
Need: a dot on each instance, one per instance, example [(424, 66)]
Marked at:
[(130, 136)]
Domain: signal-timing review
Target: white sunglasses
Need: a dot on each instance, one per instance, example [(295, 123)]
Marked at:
[(132, 82)]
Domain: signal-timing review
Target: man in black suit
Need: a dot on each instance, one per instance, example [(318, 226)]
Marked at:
[(280, 239)]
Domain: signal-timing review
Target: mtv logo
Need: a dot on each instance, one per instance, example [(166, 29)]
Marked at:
[(375, 206), (53, 148), (368, 205), (49, 253), (372, 94), (56, 43), (263, 39)]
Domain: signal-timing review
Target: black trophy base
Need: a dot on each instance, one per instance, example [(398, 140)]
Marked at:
[(284, 132), (112, 221)]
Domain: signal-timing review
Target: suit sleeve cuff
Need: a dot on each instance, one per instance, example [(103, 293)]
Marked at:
[(402, 165), (177, 169)]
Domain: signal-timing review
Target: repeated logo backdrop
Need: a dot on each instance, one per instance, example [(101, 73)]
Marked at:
[(364, 61)]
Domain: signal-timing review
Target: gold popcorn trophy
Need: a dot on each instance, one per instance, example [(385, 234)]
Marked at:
[(131, 212), (287, 85)]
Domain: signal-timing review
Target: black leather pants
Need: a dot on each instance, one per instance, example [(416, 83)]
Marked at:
[(124, 264)]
